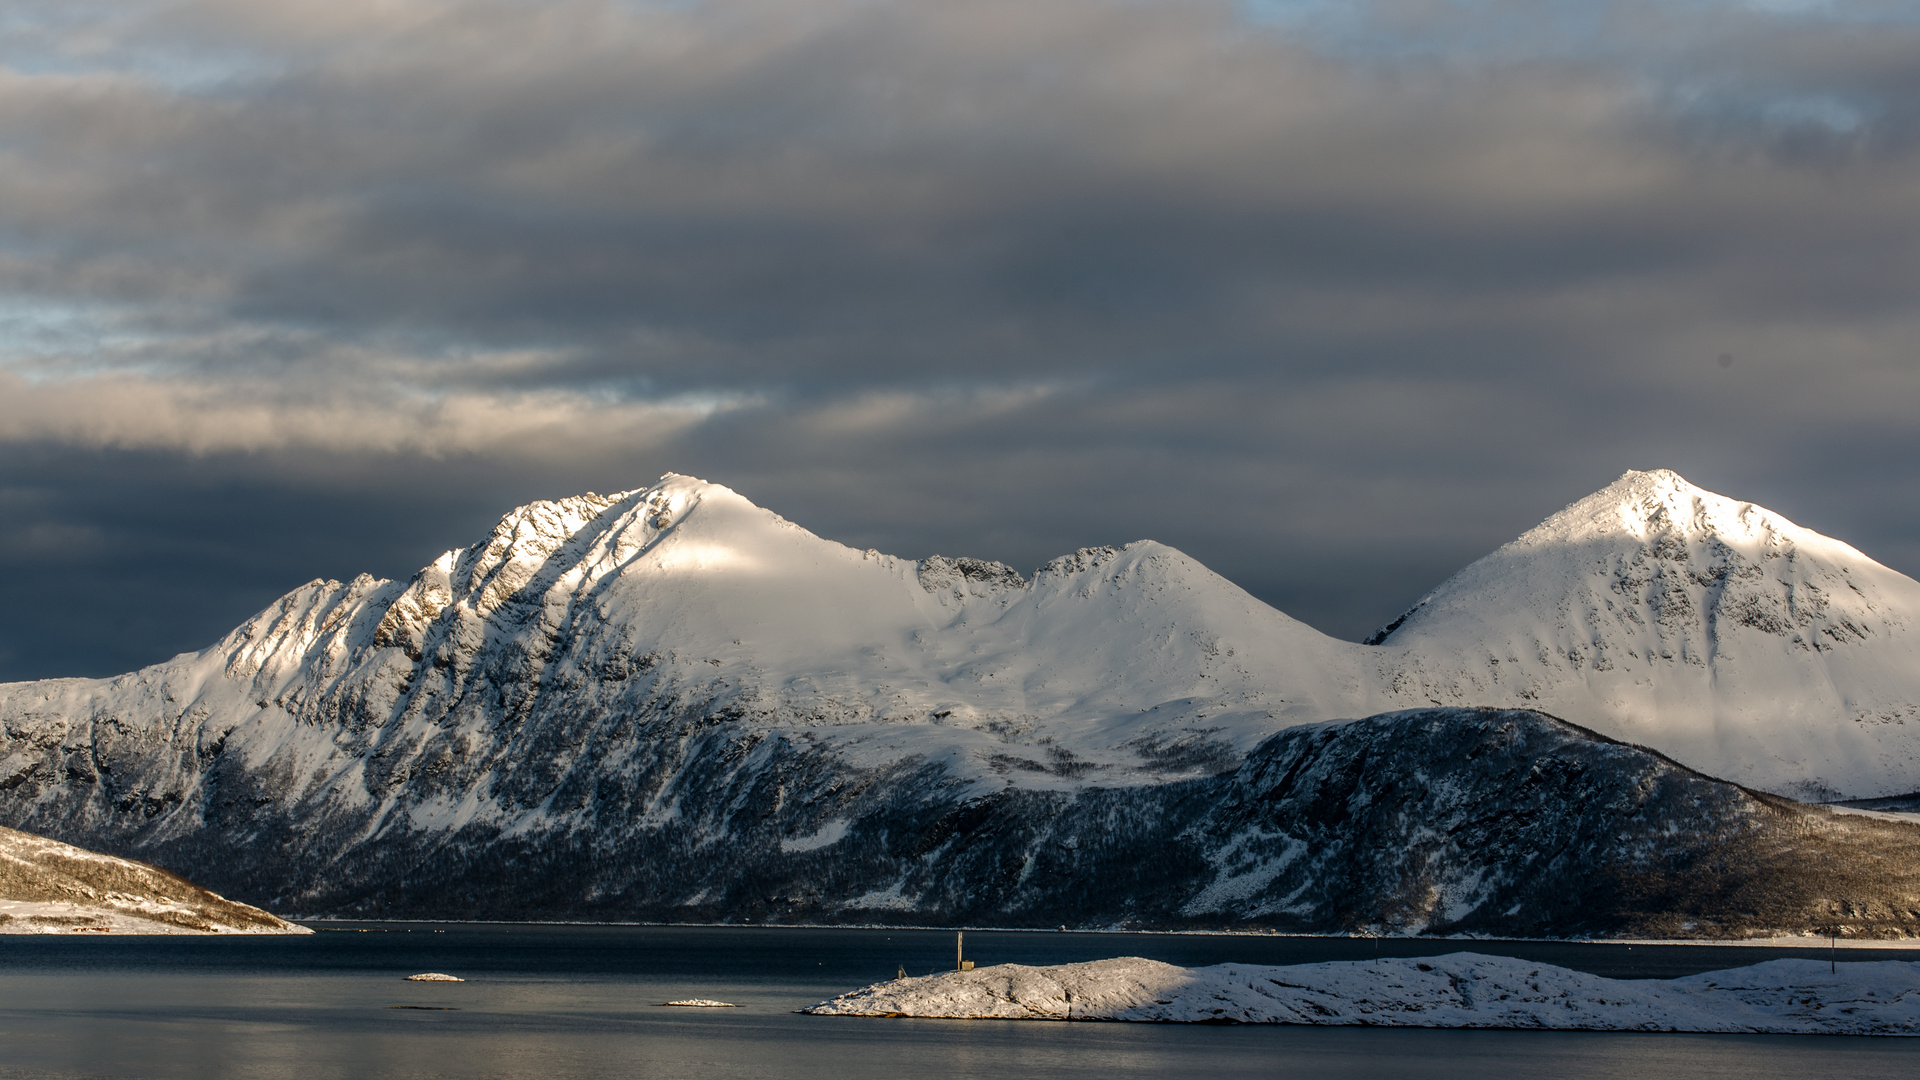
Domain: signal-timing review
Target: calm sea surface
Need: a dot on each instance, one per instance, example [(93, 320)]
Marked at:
[(555, 1002)]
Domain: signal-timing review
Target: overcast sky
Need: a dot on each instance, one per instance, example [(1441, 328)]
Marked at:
[(1334, 296)]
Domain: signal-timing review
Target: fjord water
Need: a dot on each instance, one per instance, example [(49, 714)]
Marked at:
[(557, 1002)]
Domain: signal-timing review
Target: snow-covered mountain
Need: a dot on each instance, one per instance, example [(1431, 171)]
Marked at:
[(677, 676), (1715, 631), (1115, 664)]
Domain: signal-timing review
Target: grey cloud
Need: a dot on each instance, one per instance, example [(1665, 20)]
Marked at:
[(1335, 305), (800, 198)]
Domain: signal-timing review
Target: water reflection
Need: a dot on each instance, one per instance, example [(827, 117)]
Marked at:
[(561, 1002)]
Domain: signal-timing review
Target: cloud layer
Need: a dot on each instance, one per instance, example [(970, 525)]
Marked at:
[(1333, 298)]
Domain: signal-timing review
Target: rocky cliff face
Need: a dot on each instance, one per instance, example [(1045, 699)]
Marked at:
[(1497, 822), (672, 703)]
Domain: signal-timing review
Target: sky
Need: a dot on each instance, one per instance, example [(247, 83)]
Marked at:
[(1335, 297)]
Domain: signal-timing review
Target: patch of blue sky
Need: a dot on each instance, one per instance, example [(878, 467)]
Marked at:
[(1321, 21), (644, 6), (34, 329), (1459, 30), (1846, 12), (1769, 110), (46, 341), (1521, 29), (1816, 110), (182, 71), (1843, 11), (124, 38), (697, 403), (1669, 47)]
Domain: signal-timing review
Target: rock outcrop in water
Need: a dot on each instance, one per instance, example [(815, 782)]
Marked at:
[(1463, 990)]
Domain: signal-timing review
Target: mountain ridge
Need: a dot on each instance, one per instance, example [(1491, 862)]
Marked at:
[(1619, 612), (601, 666)]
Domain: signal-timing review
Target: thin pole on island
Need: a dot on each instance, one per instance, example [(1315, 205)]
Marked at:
[(959, 950)]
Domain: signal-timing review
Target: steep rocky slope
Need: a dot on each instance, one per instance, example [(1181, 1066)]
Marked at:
[(1428, 821), (50, 887)]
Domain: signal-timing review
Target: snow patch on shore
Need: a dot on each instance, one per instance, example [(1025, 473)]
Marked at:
[(63, 917)]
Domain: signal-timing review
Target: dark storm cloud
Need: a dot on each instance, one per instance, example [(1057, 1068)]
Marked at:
[(1334, 299)]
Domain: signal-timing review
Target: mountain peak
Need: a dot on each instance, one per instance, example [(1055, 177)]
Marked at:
[(1709, 626), (1649, 505), (1645, 526), (537, 529)]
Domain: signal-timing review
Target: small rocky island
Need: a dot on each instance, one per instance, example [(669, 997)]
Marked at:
[(1461, 990)]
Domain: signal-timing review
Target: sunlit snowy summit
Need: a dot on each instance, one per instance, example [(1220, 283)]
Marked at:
[(673, 702), (1713, 630)]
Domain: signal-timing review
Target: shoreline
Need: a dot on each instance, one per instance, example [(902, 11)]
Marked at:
[(39, 918), (1783, 941)]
